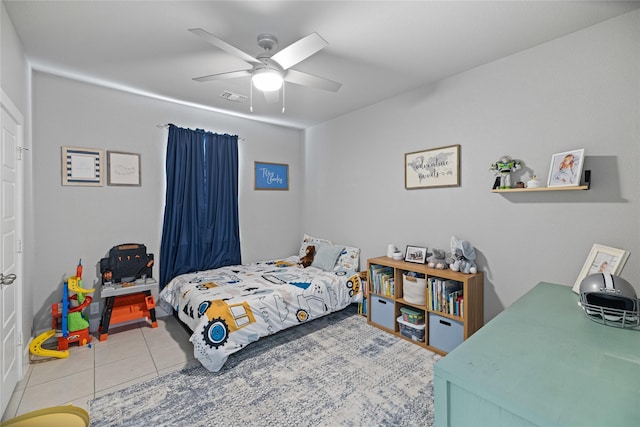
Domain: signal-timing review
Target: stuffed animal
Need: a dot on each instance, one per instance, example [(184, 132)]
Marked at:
[(438, 260), (464, 256), (307, 259)]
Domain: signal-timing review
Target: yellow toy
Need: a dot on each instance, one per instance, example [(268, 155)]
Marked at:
[(36, 346), (75, 285), (68, 321)]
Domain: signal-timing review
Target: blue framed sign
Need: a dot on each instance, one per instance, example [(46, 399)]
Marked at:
[(271, 176)]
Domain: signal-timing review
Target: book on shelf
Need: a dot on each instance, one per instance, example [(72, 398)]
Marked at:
[(445, 296), (362, 307), (382, 280)]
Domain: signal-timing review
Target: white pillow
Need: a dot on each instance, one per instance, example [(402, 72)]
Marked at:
[(310, 241)]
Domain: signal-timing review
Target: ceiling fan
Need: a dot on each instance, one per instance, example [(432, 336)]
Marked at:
[(269, 70)]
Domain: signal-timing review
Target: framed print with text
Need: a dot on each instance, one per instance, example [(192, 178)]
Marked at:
[(438, 167), (271, 176)]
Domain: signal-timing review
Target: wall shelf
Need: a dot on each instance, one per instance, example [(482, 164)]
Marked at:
[(587, 182), (527, 190)]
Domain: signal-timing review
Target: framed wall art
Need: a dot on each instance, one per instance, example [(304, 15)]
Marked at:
[(566, 169), (602, 259), (438, 167), (82, 166), (123, 169), (415, 254), (271, 176)]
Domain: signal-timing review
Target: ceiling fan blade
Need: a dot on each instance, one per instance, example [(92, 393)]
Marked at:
[(223, 76), (272, 96), (305, 79), (221, 44), (299, 51)]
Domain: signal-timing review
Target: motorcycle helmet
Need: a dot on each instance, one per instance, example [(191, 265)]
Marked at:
[(610, 300)]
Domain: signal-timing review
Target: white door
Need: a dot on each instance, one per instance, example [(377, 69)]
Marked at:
[(10, 261)]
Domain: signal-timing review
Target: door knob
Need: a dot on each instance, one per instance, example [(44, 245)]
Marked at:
[(8, 279)]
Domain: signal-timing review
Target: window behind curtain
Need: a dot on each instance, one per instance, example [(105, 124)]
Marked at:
[(201, 227)]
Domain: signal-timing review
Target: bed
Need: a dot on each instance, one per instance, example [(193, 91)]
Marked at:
[(230, 307)]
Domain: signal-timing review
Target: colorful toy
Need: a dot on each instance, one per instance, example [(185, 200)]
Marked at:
[(503, 168), (68, 322), (464, 256)]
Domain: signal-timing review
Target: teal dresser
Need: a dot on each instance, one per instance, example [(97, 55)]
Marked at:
[(541, 362)]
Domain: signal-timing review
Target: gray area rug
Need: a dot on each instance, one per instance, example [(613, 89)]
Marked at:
[(333, 371)]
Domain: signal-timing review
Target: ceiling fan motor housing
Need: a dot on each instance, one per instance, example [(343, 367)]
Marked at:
[(267, 41)]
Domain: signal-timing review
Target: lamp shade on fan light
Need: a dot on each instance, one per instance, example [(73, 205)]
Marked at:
[(267, 80)]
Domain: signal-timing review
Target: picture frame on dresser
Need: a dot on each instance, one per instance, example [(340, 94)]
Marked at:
[(602, 259), (415, 254)]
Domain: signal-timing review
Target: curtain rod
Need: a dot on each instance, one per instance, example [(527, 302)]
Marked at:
[(166, 125)]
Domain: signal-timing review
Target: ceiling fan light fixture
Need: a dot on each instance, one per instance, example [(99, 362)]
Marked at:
[(267, 79)]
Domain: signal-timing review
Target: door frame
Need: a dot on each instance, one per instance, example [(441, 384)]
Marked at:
[(22, 346)]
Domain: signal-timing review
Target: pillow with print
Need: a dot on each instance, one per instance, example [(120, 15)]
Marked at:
[(310, 240)]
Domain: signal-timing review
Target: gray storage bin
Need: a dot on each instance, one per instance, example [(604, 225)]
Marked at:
[(444, 333), (382, 312)]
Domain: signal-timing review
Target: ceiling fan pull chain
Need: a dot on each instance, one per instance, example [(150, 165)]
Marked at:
[(283, 85), (251, 96)]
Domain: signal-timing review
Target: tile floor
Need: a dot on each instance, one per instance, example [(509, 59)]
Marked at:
[(131, 354)]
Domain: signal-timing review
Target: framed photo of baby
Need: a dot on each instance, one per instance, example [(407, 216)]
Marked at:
[(602, 259), (566, 169)]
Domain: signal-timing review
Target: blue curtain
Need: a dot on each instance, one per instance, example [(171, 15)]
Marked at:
[(201, 228)]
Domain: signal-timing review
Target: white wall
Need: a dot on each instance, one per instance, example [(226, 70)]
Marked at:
[(13, 64), (74, 222), (580, 91)]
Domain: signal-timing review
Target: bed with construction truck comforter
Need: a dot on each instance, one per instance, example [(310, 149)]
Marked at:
[(228, 308)]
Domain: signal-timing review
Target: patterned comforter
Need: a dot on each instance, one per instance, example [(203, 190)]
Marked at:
[(231, 307)]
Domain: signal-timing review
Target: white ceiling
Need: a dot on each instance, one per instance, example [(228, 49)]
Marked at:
[(376, 48)]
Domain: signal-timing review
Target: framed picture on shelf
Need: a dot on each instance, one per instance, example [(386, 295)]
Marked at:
[(271, 176), (602, 259), (566, 169), (82, 166), (123, 169), (415, 254), (437, 167)]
